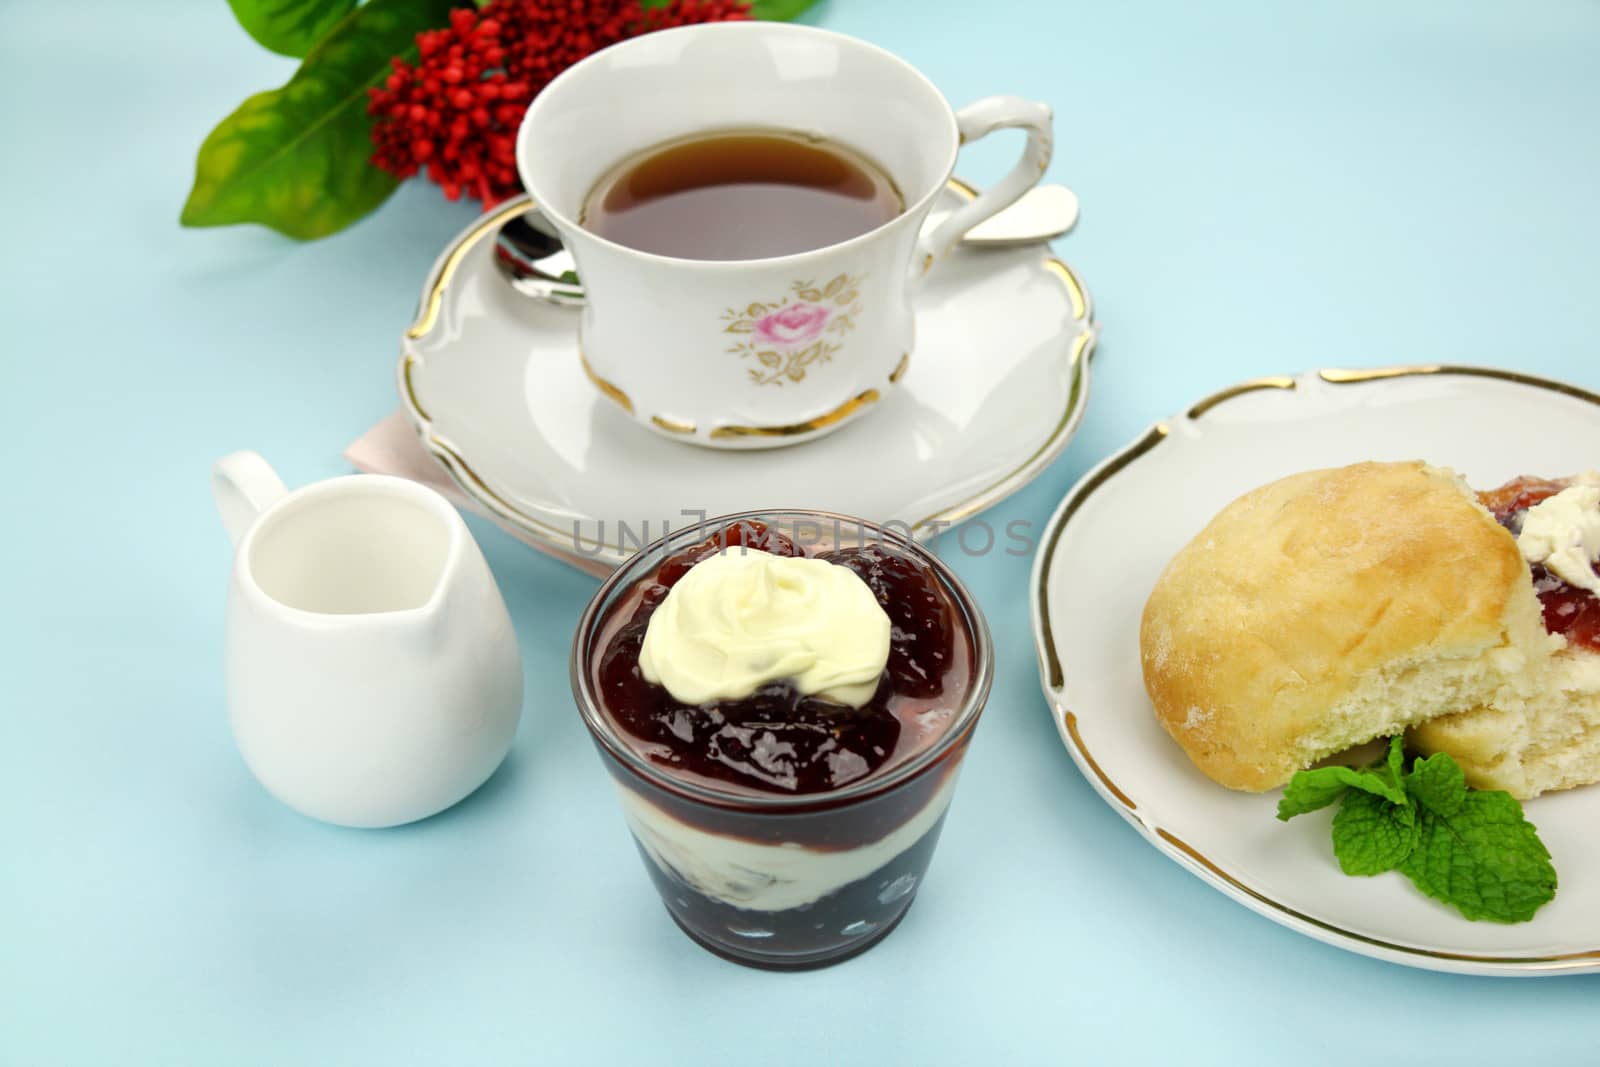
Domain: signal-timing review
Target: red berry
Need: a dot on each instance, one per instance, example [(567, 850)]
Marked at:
[(458, 107)]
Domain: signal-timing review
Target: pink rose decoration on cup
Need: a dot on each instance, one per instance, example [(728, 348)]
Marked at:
[(783, 339), (792, 325)]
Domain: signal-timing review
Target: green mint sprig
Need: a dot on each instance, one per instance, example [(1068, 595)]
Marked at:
[(1469, 848)]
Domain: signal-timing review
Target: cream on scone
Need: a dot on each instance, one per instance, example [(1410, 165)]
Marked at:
[(1337, 606)]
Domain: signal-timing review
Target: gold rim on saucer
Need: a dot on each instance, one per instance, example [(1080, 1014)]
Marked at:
[(559, 542)]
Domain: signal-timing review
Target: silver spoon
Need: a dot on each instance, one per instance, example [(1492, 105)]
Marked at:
[(535, 262), (532, 258)]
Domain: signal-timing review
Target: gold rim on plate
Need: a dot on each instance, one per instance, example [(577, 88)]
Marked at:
[(1067, 721)]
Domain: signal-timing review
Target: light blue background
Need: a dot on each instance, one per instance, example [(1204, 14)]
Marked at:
[(1267, 187)]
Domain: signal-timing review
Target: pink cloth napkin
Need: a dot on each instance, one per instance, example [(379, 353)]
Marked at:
[(391, 447)]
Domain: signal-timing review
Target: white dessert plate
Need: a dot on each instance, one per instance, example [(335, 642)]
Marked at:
[(1109, 540), (995, 387)]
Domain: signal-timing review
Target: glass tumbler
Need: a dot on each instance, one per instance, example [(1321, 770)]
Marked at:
[(786, 881)]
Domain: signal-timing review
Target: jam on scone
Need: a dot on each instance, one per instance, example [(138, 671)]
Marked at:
[(1569, 610)]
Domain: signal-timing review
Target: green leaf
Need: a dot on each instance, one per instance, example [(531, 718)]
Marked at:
[(296, 158), (1372, 835), (1397, 758), (778, 10), (289, 27), (1484, 858), (771, 10), (1391, 769), (1310, 790), (1438, 784)]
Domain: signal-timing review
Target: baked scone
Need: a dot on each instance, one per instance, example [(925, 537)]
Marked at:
[(1333, 607)]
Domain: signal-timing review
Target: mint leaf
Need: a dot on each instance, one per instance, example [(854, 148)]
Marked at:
[(289, 27), (1310, 790), (1397, 758), (1470, 849), (1372, 835), (1437, 783), (296, 158), (1391, 769), (1483, 857)]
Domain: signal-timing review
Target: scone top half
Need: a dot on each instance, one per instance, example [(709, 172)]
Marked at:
[(1330, 608)]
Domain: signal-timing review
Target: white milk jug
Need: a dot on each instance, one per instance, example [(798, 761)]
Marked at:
[(373, 676)]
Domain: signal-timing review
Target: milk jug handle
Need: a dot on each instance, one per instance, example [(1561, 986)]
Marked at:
[(243, 486)]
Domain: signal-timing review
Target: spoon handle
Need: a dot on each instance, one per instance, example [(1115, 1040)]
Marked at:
[(1044, 213)]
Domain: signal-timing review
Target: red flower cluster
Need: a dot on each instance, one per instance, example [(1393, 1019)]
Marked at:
[(454, 115)]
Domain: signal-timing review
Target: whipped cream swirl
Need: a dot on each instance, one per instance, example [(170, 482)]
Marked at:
[(741, 619)]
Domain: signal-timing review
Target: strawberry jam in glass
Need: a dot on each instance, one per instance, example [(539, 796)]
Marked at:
[(784, 830)]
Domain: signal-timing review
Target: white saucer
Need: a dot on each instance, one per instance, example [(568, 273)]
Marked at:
[(1091, 579), (492, 382)]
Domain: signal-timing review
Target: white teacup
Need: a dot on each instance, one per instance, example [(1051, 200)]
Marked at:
[(762, 352), (373, 677)]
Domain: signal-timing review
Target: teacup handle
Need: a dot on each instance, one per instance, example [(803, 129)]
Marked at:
[(979, 119), (243, 486)]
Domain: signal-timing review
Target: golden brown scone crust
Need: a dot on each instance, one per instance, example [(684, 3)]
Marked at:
[(1297, 590)]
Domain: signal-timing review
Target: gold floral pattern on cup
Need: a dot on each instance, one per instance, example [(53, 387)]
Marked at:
[(797, 331)]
